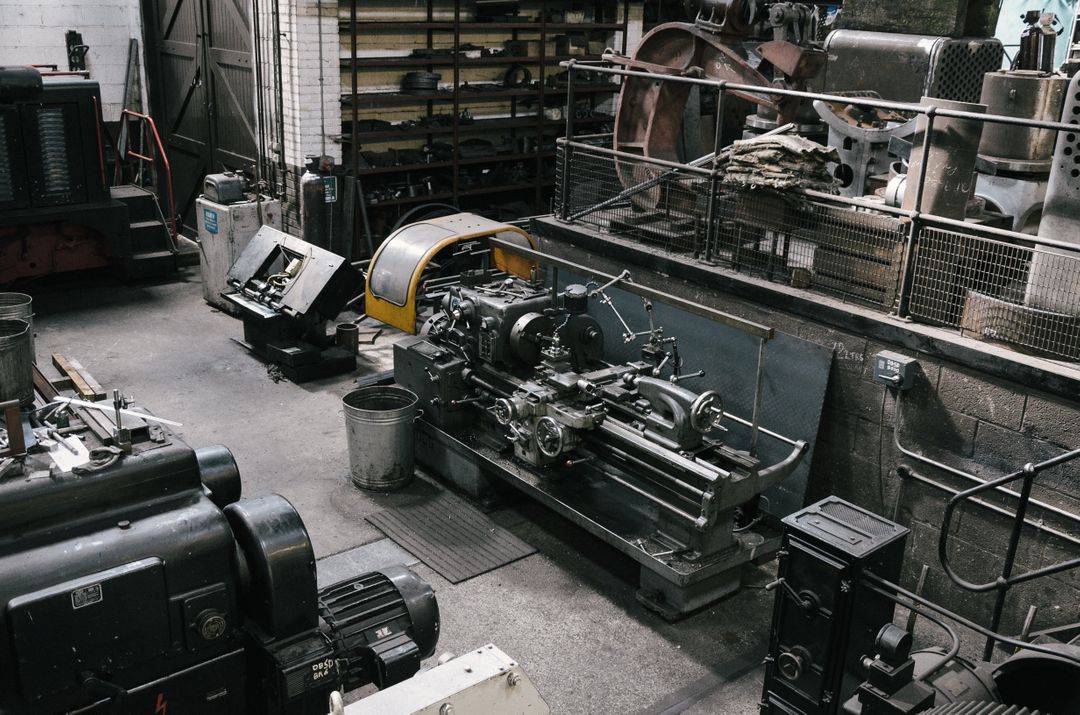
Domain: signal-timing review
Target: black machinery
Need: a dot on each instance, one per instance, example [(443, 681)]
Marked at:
[(834, 648), (134, 579), (511, 373), (287, 290), (57, 210)]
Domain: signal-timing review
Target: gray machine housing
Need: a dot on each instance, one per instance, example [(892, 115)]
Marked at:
[(905, 68)]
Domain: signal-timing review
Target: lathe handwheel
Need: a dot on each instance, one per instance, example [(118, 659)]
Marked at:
[(504, 411), (706, 411), (549, 437)]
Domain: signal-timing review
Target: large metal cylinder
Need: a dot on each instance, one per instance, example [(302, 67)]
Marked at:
[(315, 212), (16, 362), (1030, 95), (948, 177), (379, 429), (21, 307)]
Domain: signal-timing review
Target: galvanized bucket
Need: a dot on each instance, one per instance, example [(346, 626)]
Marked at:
[(379, 429), (16, 362), (21, 307)]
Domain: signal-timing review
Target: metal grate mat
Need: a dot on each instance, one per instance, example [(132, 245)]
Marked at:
[(452, 537)]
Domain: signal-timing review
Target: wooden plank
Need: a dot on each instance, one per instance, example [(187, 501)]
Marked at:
[(48, 388), (85, 385)]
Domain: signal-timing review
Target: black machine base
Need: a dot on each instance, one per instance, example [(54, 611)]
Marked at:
[(303, 362), (670, 585)]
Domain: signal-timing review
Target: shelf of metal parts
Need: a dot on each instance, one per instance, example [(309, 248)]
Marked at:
[(448, 61), (398, 26), (478, 191), (494, 159), (481, 125), (374, 100)]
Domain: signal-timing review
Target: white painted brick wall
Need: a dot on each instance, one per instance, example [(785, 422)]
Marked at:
[(33, 33), (311, 92)]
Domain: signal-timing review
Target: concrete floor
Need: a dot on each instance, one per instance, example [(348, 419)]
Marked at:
[(568, 612)]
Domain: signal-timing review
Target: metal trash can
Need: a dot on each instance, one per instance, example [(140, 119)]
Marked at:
[(16, 362), (21, 307), (379, 429)]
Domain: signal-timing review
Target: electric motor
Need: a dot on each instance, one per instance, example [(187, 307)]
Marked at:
[(382, 624)]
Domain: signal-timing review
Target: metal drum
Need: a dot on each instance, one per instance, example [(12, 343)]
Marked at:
[(16, 362), (1030, 95), (21, 307), (379, 429)]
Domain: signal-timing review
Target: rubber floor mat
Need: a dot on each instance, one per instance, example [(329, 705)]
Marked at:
[(452, 537)]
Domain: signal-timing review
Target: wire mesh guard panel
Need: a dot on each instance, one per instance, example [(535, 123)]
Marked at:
[(998, 291), (827, 248), (812, 244), (649, 203)]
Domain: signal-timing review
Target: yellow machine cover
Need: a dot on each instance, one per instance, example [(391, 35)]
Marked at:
[(394, 274)]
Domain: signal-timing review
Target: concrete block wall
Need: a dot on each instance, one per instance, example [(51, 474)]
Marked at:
[(960, 417), (971, 422), (33, 33)]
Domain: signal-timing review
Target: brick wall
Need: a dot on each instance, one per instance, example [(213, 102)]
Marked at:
[(968, 421), (310, 89), (965, 419), (33, 33), (310, 93)]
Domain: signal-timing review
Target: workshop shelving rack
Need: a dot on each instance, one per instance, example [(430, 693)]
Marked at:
[(522, 107)]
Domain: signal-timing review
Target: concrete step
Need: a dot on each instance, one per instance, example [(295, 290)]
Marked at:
[(187, 251), (150, 264), (142, 204), (148, 236)]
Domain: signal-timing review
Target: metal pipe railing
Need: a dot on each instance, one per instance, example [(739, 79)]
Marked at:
[(1007, 579), (904, 597), (803, 94), (157, 152), (904, 293), (905, 472), (907, 452)]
